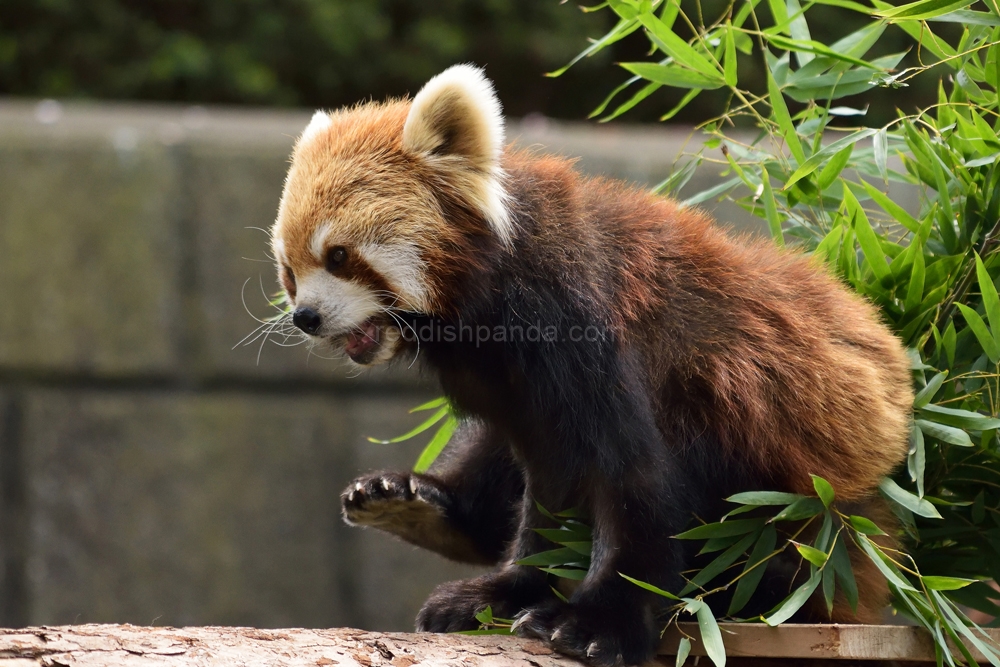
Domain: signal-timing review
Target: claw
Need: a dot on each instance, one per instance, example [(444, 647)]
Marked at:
[(519, 621), (357, 486), (592, 649), (385, 484), (413, 485), (556, 634), (350, 497)]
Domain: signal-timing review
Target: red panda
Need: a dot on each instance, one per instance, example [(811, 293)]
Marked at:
[(606, 349)]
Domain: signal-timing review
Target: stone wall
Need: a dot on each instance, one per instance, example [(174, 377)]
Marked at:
[(153, 470)]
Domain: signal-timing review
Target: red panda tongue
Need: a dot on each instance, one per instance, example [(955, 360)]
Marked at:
[(361, 339)]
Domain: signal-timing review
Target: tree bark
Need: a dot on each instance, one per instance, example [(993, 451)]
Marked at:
[(137, 646)]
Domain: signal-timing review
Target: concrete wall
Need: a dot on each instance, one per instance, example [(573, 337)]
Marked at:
[(150, 471)]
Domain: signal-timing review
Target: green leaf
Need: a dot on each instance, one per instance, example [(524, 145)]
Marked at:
[(719, 564), (864, 526), (771, 209), (925, 395), (833, 168), (882, 562), (563, 556), (682, 52), (823, 489), (433, 419), (948, 434), (818, 158), (574, 575), (649, 587), (784, 120), (841, 563), (729, 62), (811, 554), (867, 238), (430, 405), (981, 331), (817, 48), (711, 637), (764, 498), (794, 601), (918, 274), (991, 302), (922, 10), (898, 213), (683, 651), (945, 583), (436, 445), (963, 419), (624, 28), (722, 529), (752, 572), (485, 616), (908, 500), (800, 509), (880, 145), (672, 75)]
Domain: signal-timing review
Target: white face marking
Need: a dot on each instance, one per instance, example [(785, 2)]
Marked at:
[(278, 247), (401, 266), (342, 304), (317, 243)]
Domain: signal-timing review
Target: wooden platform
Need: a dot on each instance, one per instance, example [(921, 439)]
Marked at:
[(137, 646)]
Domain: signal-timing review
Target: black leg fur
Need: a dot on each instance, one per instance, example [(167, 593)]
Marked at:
[(464, 509)]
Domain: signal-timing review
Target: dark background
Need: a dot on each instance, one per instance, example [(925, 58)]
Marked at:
[(327, 53)]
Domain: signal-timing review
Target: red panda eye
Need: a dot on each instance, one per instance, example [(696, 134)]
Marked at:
[(336, 257), (288, 281)]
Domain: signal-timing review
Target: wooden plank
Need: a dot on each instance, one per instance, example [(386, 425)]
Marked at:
[(823, 642)]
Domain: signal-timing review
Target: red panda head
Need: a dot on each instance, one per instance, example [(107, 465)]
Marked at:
[(380, 203)]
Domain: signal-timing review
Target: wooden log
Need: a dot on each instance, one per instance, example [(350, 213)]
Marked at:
[(137, 646)]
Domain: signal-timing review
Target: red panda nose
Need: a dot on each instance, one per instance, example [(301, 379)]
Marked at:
[(307, 319)]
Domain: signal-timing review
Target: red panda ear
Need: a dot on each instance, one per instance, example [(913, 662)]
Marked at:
[(455, 122)]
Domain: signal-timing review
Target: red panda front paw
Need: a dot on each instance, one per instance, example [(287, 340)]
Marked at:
[(390, 497), (598, 636)]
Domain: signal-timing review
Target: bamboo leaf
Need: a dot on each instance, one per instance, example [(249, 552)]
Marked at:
[(880, 144), (781, 116), (991, 302), (764, 498), (833, 168), (818, 158), (794, 601), (730, 56), (948, 434), (673, 75), (753, 570), (922, 10), (649, 587), (683, 651), (925, 395), (429, 422), (945, 583), (908, 500), (682, 52), (981, 331), (436, 445), (771, 209), (864, 526), (840, 561), (722, 529), (823, 489), (811, 554), (711, 636)]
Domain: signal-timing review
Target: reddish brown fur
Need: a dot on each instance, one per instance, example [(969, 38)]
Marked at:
[(789, 372)]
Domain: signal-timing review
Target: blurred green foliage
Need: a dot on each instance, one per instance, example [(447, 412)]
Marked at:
[(327, 53), (292, 52)]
